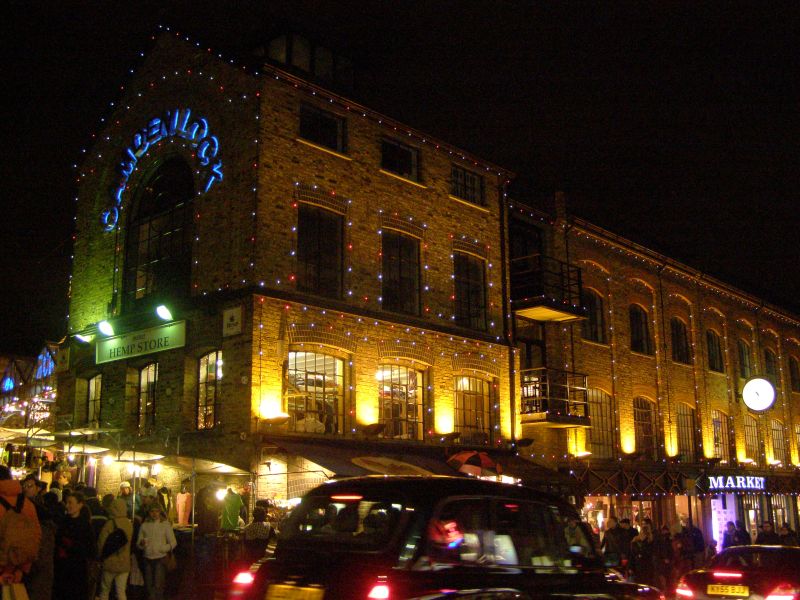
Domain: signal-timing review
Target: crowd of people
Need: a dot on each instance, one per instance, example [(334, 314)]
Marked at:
[(68, 544), (659, 557)]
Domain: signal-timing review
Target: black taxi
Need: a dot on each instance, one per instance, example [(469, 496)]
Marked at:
[(395, 538)]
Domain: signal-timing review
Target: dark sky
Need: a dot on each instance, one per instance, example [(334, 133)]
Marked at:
[(675, 124)]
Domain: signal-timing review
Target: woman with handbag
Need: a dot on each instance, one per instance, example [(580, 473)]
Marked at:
[(115, 550), (157, 540)]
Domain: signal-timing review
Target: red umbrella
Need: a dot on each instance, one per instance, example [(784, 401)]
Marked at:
[(474, 462)]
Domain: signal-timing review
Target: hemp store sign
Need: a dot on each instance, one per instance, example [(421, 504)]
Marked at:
[(735, 482), (139, 343)]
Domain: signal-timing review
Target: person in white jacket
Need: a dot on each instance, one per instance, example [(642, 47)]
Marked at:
[(156, 539)]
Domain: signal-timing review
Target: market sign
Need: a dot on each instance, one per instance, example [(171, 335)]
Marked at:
[(735, 482), (139, 343)]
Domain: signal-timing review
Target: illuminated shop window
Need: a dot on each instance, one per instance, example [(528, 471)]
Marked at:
[(681, 352), (158, 240), (720, 426), (315, 393), (779, 442), (745, 362), (148, 377), (640, 330), (644, 425), (400, 272), (319, 251), (400, 396), (714, 348), (601, 433), (467, 185), (794, 374), (771, 366), (593, 327), (323, 128), (93, 401), (473, 398), (470, 290), (752, 439), (687, 425), (400, 159), (208, 390)]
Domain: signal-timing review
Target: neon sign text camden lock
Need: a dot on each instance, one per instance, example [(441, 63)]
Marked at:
[(176, 123)]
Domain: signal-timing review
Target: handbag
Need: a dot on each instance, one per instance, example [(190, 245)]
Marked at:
[(115, 542), (169, 561)]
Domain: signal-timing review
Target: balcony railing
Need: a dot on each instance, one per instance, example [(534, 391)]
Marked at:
[(554, 397), (545, 288)]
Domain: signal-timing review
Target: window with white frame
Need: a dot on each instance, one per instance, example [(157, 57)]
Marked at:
[(148, 377), (208, 389), (687, 425), (601, 433), (644, 426), (722, 447), (400, 394), (779, 442)]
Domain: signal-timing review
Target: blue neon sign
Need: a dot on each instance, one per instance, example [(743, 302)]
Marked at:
[(176, 123)]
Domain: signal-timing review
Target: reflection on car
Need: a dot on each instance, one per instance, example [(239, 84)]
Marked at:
[(436, 537)]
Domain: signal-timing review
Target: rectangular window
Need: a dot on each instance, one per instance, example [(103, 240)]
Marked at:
[(400, 393), (319, 251), (686, 431), (148, 377), (644, 427), (323, 128), (779, 443), (400, 159), (752, 440), (400, 272), (601, 432), (472, 410), (208, 392), (745, 369), (771, 366), (315, 393), (470, 291), (714, 348), (794, 374), (93, 401), (681, 353), (467, 185), (593, 327), (640, 332), (722, 446)]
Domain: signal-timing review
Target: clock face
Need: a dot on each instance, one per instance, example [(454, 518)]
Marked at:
[(758, 394)]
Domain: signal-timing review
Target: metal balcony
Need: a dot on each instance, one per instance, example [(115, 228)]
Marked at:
[(546, 289), (554, 398)]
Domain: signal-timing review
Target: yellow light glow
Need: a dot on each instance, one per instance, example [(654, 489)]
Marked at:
[(92, 461), (108, 459), (444, 422), (270, 407), (628, 442), (221, 493), (156, 469)]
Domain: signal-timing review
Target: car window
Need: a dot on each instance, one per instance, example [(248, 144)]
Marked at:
[(756, 560), (456, 532), (346, 520)]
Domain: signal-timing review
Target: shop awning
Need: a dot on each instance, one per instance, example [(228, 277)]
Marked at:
[(535, 475), (201, 466), (357, 461)]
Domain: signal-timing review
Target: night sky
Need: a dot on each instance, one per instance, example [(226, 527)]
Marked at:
[(675, 124)]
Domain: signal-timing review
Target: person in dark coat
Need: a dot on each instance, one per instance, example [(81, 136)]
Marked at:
[(742, 537), (787, 536), (615, 544), (75, 545), (663, 559), (767, 535), (729, 536), (641, 562)]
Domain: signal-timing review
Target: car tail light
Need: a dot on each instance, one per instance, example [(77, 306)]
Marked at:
[(379, 591), (727, 575), (244, 578), (683, 590), (784, 591)]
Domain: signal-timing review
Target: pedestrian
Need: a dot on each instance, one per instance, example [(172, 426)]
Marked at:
[(729, 536), (695, 545), (787, 536), (615, 544), (641, 562), (742, 537), (156, 539), (131, 502), (40, 579), (75, 546), (663, 558), (19, 526), (767, 535), (117, 564), (256, 534)]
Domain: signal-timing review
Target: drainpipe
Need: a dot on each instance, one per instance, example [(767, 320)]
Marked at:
[(506, 317)]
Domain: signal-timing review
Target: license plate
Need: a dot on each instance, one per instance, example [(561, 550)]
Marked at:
[(279, 591), (728, 590)]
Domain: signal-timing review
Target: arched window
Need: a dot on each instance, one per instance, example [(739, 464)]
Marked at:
[(714, 348), (644, 426), (148, 377), (315, 394), (640, 330), (752, 439), (473, 401), (771, 366), (745, 364), (158, 240), (794, 374), (601, 433), (720, 427), (594, 327), (681, 351), (779, 443), (208, 389), (93, 395), (687, 424), (400, 393)]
